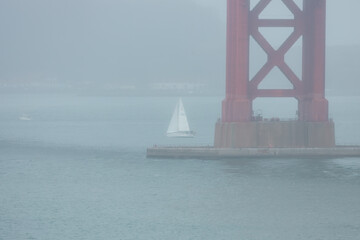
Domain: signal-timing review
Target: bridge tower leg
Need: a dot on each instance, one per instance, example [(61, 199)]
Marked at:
[(237, 106), (313, 105), (238, 127)]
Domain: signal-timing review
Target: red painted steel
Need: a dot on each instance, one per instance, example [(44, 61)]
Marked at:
[(237, 105), (313, 106), (308, 23)]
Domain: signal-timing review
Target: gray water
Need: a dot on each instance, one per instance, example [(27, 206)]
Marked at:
[(77, 170)]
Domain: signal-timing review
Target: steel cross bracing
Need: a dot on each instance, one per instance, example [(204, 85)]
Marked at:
[(275, 57), (309, 24)]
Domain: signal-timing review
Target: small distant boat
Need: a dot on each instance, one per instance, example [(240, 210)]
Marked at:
[(179, 126), (25, 117)]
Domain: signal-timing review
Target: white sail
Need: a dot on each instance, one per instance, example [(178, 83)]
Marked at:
[(179, 126), (183, 122), (174, 122)]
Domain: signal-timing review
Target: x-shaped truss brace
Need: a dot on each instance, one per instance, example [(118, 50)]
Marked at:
[(276, 57)]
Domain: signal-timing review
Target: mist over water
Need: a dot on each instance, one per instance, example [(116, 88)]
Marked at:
[(77, 112), (75, 168)]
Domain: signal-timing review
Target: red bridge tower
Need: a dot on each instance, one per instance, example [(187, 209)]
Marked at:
[(238, 127)]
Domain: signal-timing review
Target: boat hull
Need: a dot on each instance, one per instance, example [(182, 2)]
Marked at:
[(189, 134)]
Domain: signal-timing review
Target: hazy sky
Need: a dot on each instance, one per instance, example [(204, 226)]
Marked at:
[(129, 41)]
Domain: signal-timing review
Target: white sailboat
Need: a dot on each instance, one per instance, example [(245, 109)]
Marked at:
[(25, 117), (179, 126)]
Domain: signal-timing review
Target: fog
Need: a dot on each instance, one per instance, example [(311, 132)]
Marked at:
[(73, 137), (113, 45)]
